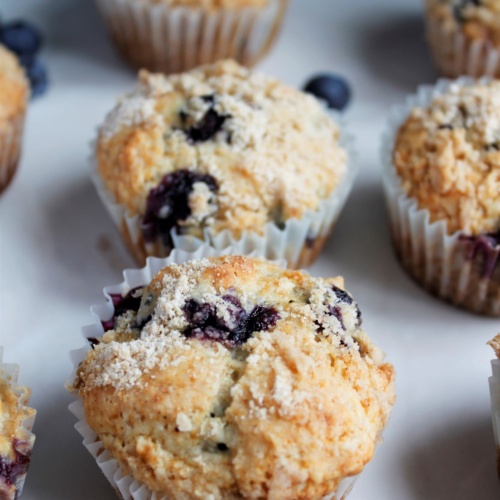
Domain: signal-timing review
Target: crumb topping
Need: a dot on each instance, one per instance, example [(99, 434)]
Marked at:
[(121, 360), (448, 158), (208, 416), (495, 345), (12, 414), (273, 151)]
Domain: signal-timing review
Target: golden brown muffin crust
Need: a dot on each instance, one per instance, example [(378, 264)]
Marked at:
[(287, 413), (14, 90), (274, 155), (209, 4), (448, 158)]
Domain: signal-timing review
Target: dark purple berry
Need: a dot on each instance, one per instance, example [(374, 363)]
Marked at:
[(335, 311), (332, 89), (208, 126), (342, 295), (122, 304), (204, 323), (168, 204), (11, 470), (21, 37)]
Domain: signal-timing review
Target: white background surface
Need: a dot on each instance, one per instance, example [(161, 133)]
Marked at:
[(58, 248)]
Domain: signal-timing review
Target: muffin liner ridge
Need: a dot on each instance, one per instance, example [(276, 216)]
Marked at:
[(125, 485), (10, 372), (445, 265), (299, 242), (170, 39), (455, 54), (494, 383)]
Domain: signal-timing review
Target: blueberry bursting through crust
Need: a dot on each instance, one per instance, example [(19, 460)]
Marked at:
[(202, 318), (168, 204), (10, 470)]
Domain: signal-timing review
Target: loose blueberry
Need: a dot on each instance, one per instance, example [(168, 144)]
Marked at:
[(204, 324), (331, 88), (21, 38), (37, 75), (168, 203)]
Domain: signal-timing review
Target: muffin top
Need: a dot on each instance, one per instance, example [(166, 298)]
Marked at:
[(14, 88), (239, 378), (219, 148), (478, 19), (448, 158), (210, 4), (15, 443)]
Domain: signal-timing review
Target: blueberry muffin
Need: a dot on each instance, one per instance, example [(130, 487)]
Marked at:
[(221, 151), (447, 158), (16, 439), (14, 95), (230, 377), (177, 35), (465, 36)]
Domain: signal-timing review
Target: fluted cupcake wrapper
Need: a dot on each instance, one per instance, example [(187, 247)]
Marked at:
[(10, 372), (299, 241), (456, 54), (10, 148), (170, 39), (494, 382), (452, 267), (125, 485)]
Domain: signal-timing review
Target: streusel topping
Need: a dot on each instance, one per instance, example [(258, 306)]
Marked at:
[(448, 158), (495, 345), (234, 378), (265, 152)]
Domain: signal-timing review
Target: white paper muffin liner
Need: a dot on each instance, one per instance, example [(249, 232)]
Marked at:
[(125, 485), (299, 242), (456, 54), (170, 39), (445, 265), (10, 372), (494, 382), (10, 149)]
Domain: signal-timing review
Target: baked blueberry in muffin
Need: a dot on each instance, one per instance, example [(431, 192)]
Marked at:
[(16, 440), (243, 380), (217, 149)]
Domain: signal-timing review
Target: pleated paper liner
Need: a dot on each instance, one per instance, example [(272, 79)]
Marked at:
[(299, 241), (463, 271), (125, 485), (455, 54), (9, 372), (169, 39)]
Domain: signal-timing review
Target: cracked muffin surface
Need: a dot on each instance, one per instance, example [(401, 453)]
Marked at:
[(233, 378), (448, 158), (218, 148)]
